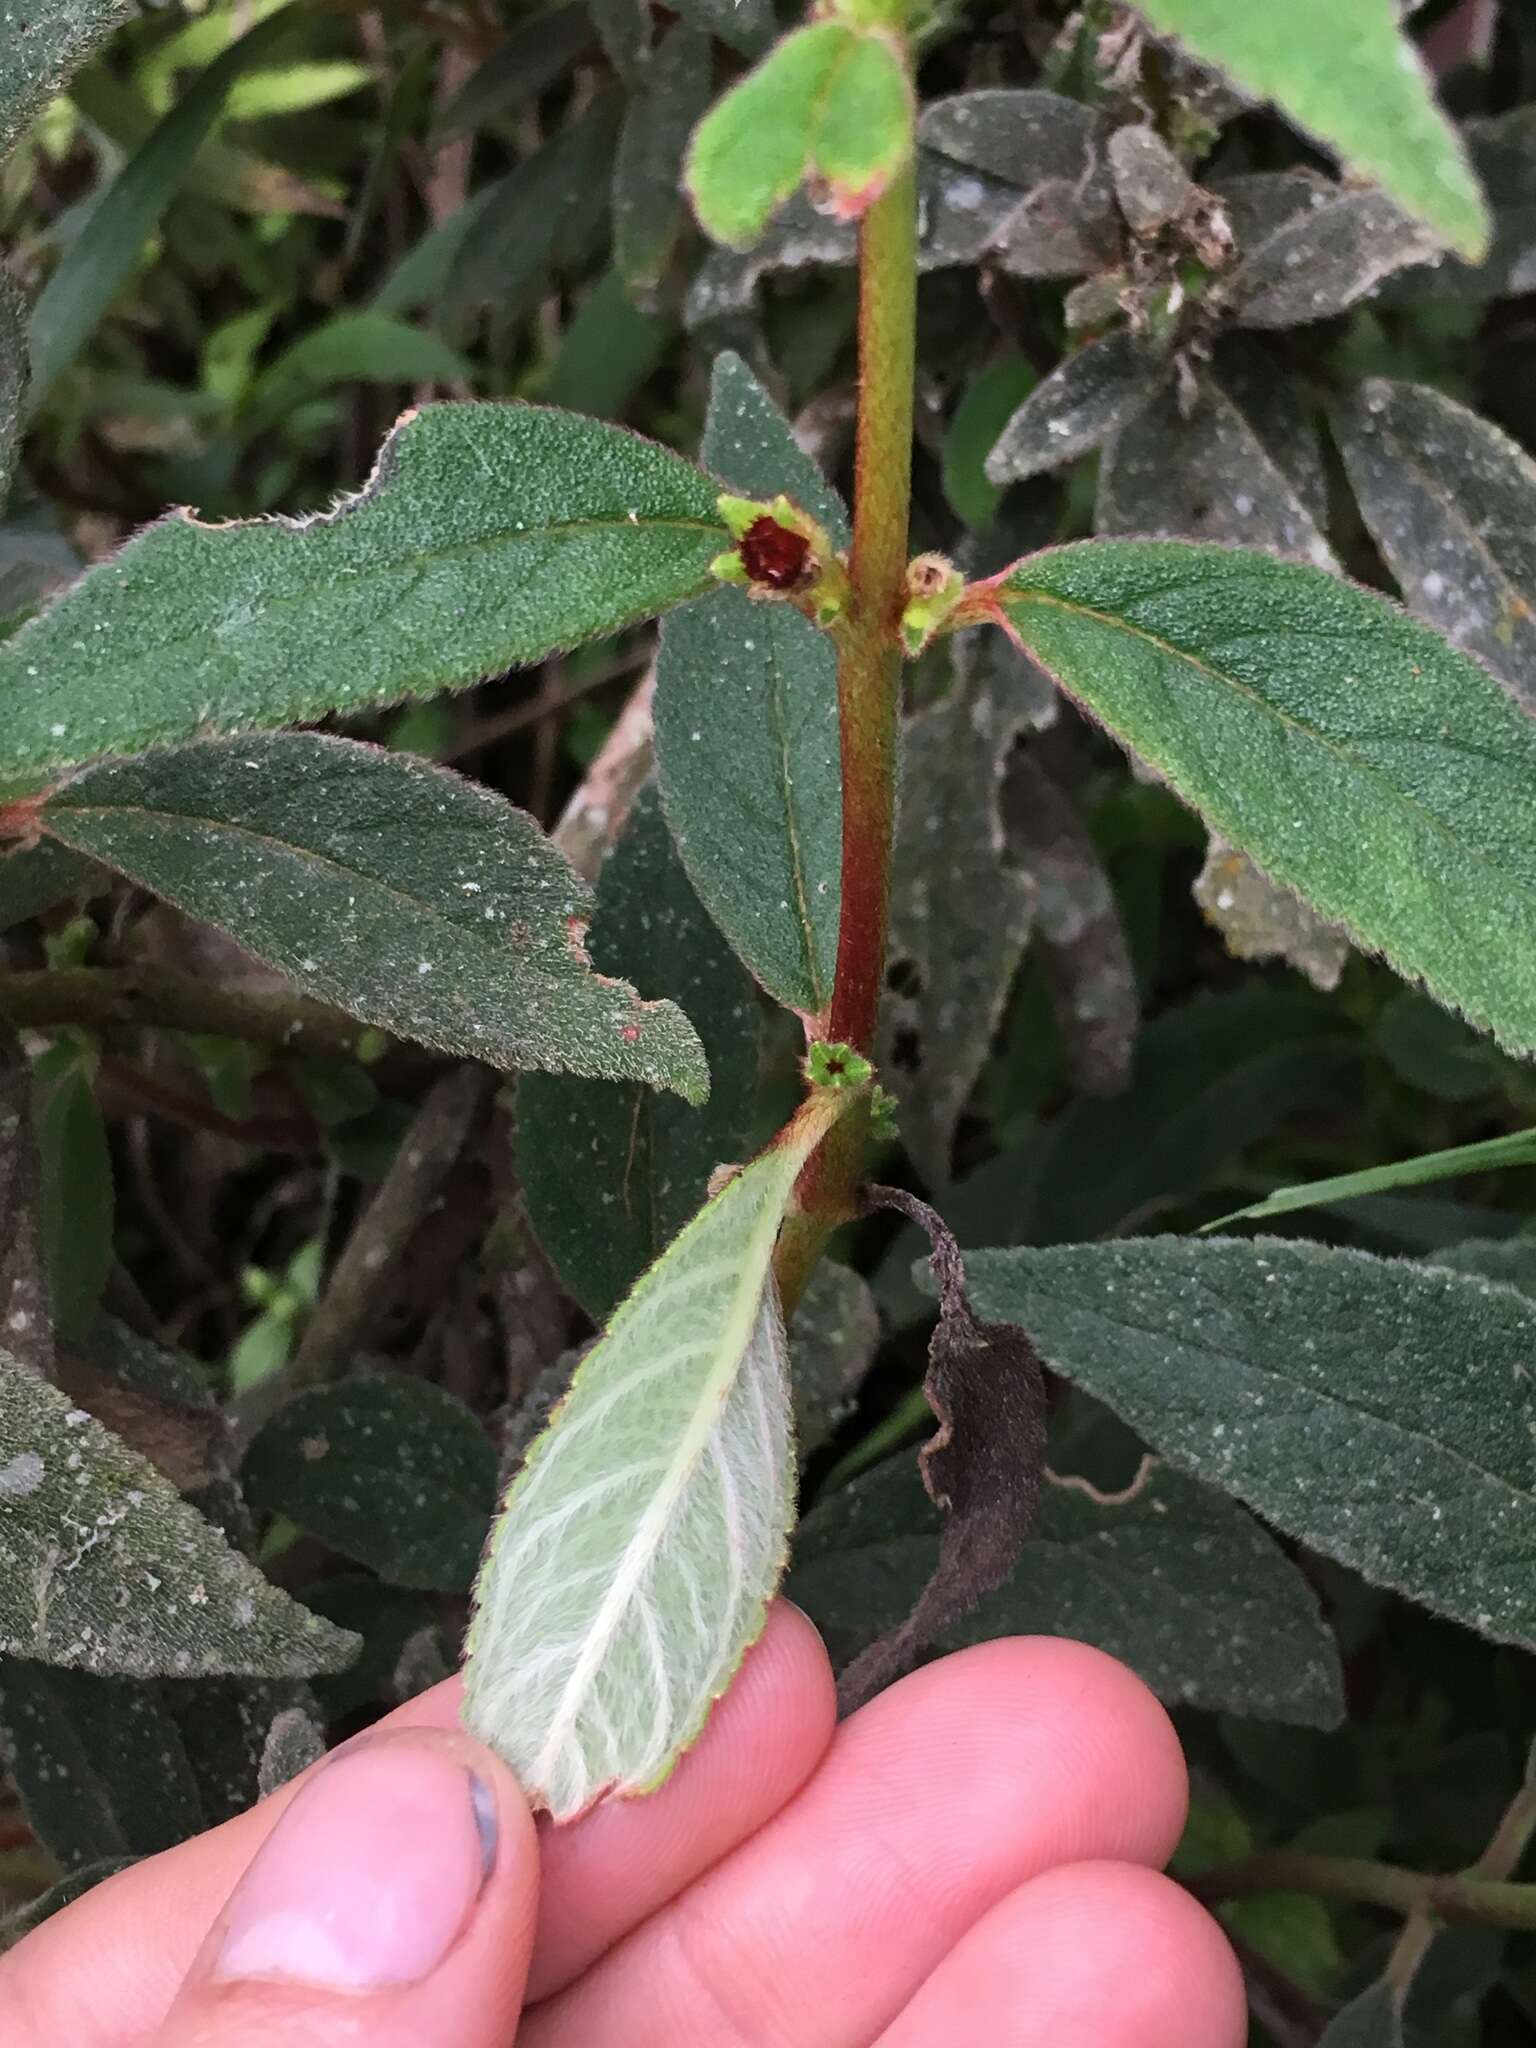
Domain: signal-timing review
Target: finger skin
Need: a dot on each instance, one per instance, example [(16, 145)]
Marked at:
[(473, 1997), (609, 1870), (1098, 1955), (934, 1802)]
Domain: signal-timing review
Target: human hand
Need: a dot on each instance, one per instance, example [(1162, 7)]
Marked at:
[(972, 1858)]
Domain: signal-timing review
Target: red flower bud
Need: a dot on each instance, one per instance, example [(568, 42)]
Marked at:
[(775, 555)]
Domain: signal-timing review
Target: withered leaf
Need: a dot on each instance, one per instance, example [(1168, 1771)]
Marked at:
[(1263, 920), (982, 1466)]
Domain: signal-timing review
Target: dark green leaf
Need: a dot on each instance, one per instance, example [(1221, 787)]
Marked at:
[(1518, 1148), (1255, 688), (533, 56), (102, 256), (647, 173), (746, 729), (1193, 463), (106, 1568), (1094, 392), (34, 878), (1378, 1411), (385, 1617), (75, 1212), (1350, 78), (392, 1472), (99, 1763), (1321, 258), (1370, 2021), (611, 1172), (833, 1336), (990, 400), (1022, 175), (961, 912), (13, 376), (413, 899), (1510, 1260), (42, 49), (747, 25), (353, 348), (1432, 1050), (608, 351), (26, 1314), (536, 217), (224, 1725), (488, 535), (624, 27), (1181, 1584), (1451, 503)]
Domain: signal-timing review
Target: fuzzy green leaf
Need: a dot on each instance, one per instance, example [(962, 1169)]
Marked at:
[(1378, 1411), (42, 45), (746, 728), (487, 535), (1349, 77), (34, 878), (104, 1568), (1260, 690), (612, 1171), (1180, 1584), (408, 897), (632, 1565), (1079, 405), (75, 1212), (1451, 502), (827, 101), (13, 377), (392, 1472)]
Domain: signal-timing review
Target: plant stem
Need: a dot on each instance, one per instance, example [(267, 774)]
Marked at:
[(869, 698), (109, 999), (869, 664), (1488, 1902)]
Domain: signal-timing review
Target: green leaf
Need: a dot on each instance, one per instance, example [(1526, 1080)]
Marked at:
[(1255, 688), (408, 897), (385, 1617), (1451, 502), (747, 25), (488, 535), (103, 255), (624, 29), (961, 912), (354, 348), (13, 377), (41, 50), (833, 1336), (1313, 260), (1179, 1583), (746, 728), (632, 1565), (76, 1210), (108, 1570), (539, 215), (990, 400), (1430, 1049), (34, 878), (827, 101), (1370, 2021), (99, 1763), (532, 57), (647, 173), (611, 1172), (607, 351), (392, 1472), (1350, 78), (1377, 1411), (1510, 1260), (1081, 403), (1516, 1149), (1195, 462)]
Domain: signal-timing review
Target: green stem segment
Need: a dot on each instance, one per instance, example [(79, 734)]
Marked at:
[(869, 697), (1485, 1901)]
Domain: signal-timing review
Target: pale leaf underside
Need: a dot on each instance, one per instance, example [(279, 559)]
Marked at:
[(640, 1544)]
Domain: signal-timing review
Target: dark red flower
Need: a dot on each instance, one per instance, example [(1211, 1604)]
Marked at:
[(774, 555)]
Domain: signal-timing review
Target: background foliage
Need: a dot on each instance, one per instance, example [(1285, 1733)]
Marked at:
[(274, 1258)]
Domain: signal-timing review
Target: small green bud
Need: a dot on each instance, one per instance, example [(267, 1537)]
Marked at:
[(934, 587), (831, 1064)]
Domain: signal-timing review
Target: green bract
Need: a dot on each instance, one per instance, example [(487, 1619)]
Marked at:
[(828, 102)]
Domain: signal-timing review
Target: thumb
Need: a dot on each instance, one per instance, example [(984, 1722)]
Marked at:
[(393, 1903)]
